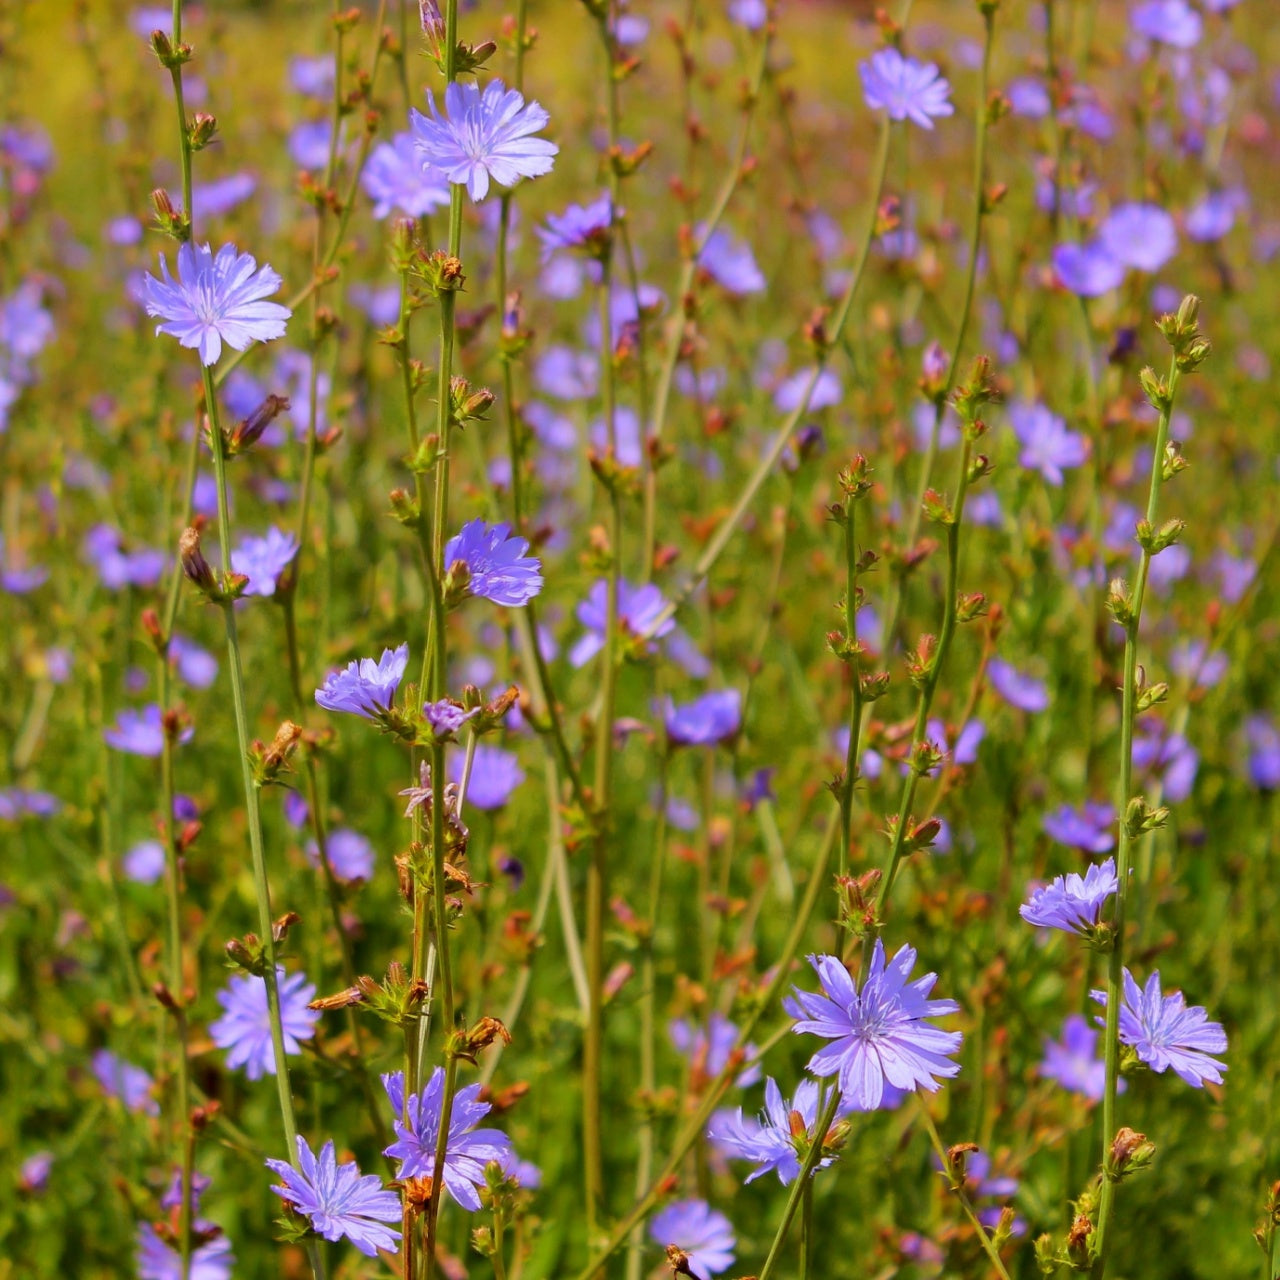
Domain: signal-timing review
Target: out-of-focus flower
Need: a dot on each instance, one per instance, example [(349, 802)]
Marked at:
[(1072, 903), (216, 300), (365, 687), (1213, 216), (731, 264), (752, 14), (213, 199), (905, 88), (338, 1199), (122, 1080), (483, 136), (581, 226), (790, 393), (1016, 687), (141, 733), (497, 567), (1264, 751), (703, 1235), (350, 854), (706, 721), (1158, 750), (1073, 1061), (118, 568), (395, 177), (313, 76), (1171, 22), (1047, 445), (160, 1261), (880, 1033), (244, 1029), (262, 560), (33, 1177), (1166, 1032), (1087, 269), (467, 1149), (495, 774), (707, 1050), (1090, 828), (144, 862), (638, 609), (195, 666), (1142, 236)]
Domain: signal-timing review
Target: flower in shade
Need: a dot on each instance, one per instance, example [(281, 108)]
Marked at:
[(365, 687), (1047, 445), (144, 862), (770, 1141), (467, 1149), (121, 1079), (483, 136), (495, 774), (1087, 269), (1166, 1033), (245, 1026), (497, 567), (1142, 236), (881, 1034), (731, 264), (339, 1200), (580, 226), (703, 1235), (1072, 902), (1016, 687), (639, 609), (141, 733), (215, 300), (706, 721), (263, 560), (1073, 1061), (395, 178), (708, 1050), (905, 88), (350, 854), (1171, 22), (1264, 751), (160, 1261), (1091, 827)]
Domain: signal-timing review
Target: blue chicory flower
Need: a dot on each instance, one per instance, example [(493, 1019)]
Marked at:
[(707, 1049), (1016, 687), (141, 733), (122, 1080), (638, 609), (905, 88), (1047, 445), (1142, 236), (701, 1233), (395, 178), (364, 687), (160, 1261), (495, 774), (1072, 903), (706, 721), (1171, 22), (770, 1141), (583, 227), (731, 264), (1073, 1061), (1088, 270), (1090, 828), (262, 560), (244, 1029), (498, 567)]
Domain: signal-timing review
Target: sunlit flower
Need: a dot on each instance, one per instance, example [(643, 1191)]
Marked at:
[(698, 1231), (905, 88), (244, 1029)]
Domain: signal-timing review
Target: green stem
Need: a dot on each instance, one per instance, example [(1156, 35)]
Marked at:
[(851, 757)]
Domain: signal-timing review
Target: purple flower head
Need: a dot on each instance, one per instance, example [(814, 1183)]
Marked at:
[(121, 1079), (395, 178), (628, 449), (905, 88), (1264, 751), (498, 568), (1072, 903), (213, 199), (706, 721), (339, 1200), (144, 862), (1167, 1033), (707, 1051), (1142, 236), (215, 300), (117, 568), (447, 716), (195, 666), (467, 1149), (1087, 269), (881, 1036), (702, 1234), (580, 226), (1213, 216), (19, 802), (309, 144), (769, 1141), (1171, 22), (638, 609), (1029, 98), (350, 854), (160, 1261), (245, 1026), (567, 374), (752, 14), (1090, 828), (1016, 687), (790, 393), (365, 687), (1160, 751), (731, 264), (141, 733), (263, 560), (171, 1198), (1073, 1061), (495, 774), (483, 136), (313, 76), (1047, 445), (525, 1172)]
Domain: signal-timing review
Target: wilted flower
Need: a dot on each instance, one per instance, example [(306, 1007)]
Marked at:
[(244, 1029)]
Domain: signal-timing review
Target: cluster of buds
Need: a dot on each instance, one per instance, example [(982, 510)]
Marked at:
[(269, 761), (252, 954), (978, 390), (467, 405), (1182, 332), (1140, 817), (398, 1000), (172, 222), (441, 272), (857, 898), (1130, 1151), (214, 584), (917, 835)]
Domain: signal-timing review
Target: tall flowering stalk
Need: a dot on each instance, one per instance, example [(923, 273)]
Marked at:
[(1190, 349)]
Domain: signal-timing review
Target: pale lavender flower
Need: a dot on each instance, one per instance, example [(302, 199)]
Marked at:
[(706, 721), (313, 76), (1213, 216), (1017, 687), (707, 1049), (1047, 445), (244, 1029), (769, 1141), (731, 264), (216, 300), (33, 1177), (1171, 22), (160, 1261), (1087, 269), (309, 144), (702, 1234), (1073, 1061), (1072, 903), (467, 1149), (1090, 828), (638, 610), (121, 1079), (263, 560), (213, 199), (483, 136), (447, 716), (584, 227), (339, 1200), (752, 14), (118, 568), (1167, 1033), (350, 854), (567, 374), (525, 1172), (1159, 750), (881, 1034), (1194, 660), (905, 88), (395, 178), (144, 862), (495, 774), (364, 687), (790, 393), (497, 566), (627, 437), (1263, 738), (1029, 98), (1142, 236), (141, 733)]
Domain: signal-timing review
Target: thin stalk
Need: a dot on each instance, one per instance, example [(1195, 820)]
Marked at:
[(806, 1230), (851, 756), (1124, 844)]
